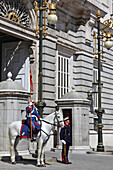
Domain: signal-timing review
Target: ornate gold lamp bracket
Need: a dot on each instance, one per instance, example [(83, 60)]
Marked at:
[(52, 18), (44, 8), (105, 33)]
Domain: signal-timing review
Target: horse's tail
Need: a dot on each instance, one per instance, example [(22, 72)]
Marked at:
[(13, 138)]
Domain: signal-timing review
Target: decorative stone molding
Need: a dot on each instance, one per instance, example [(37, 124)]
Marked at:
[(15, 11), (32, 52)]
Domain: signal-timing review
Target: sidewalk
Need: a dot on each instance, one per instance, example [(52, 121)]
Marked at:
[(79, 162)]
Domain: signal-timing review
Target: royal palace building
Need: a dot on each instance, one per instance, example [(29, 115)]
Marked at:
[(69, 67)]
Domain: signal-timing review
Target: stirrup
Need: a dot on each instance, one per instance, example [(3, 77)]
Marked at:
[(33, 139)]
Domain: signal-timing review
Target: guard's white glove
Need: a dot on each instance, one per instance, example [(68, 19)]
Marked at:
[(41, 119), (64, 142)]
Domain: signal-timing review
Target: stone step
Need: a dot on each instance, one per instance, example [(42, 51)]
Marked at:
[(32, 157)]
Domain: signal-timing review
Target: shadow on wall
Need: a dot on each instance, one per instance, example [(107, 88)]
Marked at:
[(14, 56)]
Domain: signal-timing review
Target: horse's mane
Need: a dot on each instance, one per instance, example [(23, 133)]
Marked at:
[(48, 116)]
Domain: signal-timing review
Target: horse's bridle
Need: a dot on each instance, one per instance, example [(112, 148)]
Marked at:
[(58, 123)]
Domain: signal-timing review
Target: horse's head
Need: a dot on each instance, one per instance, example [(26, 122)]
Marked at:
[(59, 117)]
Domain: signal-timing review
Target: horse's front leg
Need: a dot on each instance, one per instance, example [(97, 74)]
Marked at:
[(42, 156), (39, 153)]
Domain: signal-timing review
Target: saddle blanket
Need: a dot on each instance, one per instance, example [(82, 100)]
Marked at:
[(25, 131)]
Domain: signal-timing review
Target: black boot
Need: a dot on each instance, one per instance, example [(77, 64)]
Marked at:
[(33, 139), (33, 136)]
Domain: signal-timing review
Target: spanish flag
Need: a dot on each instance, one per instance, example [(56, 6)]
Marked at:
[(31, 82)]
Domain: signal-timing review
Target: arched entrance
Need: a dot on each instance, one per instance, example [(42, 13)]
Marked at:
[(16, 38)]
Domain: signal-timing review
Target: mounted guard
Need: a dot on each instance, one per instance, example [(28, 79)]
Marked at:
[(53, 119), (32, 122)]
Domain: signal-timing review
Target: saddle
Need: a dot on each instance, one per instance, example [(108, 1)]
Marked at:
[(25, 131)]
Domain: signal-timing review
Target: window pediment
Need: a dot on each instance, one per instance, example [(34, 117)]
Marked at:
[(15, 10)]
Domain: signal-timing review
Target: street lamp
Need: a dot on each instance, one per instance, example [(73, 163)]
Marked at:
[(52, 19), (108, 24)]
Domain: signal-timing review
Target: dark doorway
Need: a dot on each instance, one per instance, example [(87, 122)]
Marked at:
[(68, 112), (14, 58)]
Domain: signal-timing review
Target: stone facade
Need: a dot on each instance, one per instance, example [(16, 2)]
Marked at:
[(71, 41)]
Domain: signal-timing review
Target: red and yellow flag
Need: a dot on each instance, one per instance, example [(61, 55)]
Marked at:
[(31, 82)]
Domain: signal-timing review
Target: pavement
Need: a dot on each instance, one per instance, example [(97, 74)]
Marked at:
[(80, 161)]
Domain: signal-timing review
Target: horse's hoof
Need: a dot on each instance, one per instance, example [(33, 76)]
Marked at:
[(43, 165), (38, 165), (14, 163)]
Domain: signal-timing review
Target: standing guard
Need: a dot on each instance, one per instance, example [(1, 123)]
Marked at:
[(66, 140)]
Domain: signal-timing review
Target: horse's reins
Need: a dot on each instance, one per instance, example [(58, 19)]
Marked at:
[(44, 132), (47, 123), (51, 124)]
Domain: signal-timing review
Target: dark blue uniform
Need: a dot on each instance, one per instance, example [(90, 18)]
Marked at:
[(65, 135), (32, 112)]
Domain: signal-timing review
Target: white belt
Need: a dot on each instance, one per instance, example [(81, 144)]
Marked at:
[(31, 116)]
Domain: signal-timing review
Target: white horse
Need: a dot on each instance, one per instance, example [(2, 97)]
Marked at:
[(47, 125)]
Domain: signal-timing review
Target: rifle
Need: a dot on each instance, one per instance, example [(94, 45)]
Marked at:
[(31, 123), (30, 101)]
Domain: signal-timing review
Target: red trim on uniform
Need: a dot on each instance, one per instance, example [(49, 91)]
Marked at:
[(29, 108), (21, 129), (24, 137), (39, 117), (30, 124), (67, 124), (63, 160), (36, 132), (36, 123)]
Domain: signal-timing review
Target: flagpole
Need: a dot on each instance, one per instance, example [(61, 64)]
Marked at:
[(30, 101)]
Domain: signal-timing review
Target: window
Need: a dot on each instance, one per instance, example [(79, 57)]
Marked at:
[(63, 75)]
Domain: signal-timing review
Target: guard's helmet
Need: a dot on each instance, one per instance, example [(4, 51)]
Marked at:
[(66, 118)]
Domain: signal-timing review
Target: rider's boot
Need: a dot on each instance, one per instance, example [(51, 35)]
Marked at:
[(33, 136)]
